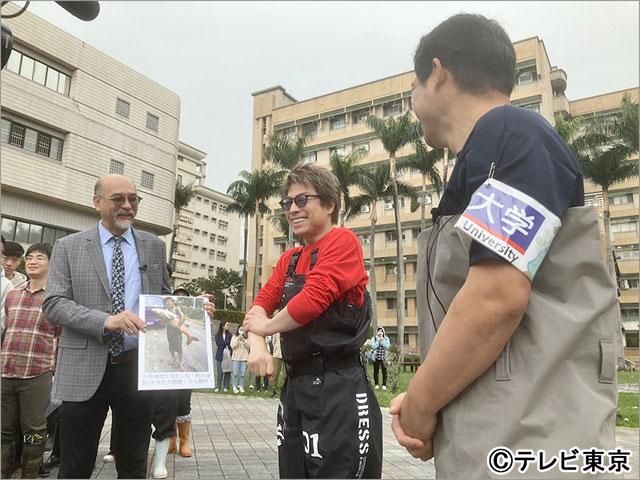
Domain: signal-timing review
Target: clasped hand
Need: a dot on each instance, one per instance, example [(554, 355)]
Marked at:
[(413, 429)]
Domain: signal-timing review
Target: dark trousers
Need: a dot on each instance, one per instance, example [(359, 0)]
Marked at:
[(377, 364), (329, 426), (81, 424), (184, 403), (165, 411)]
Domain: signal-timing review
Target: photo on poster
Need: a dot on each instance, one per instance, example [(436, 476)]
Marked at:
[(175, 350)]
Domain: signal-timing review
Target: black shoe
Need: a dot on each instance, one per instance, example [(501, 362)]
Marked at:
[(52, 461)]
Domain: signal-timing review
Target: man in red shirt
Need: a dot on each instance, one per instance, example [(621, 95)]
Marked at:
[(27, 362), (329, 421)]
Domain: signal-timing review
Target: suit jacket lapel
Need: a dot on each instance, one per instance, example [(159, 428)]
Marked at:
[(143, 260), (95, 254)]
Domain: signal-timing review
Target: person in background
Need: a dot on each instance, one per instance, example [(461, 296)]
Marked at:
[(13, 253), (277, 363), (379, 346), (5, 287), (27, 365), (223, 342), (240, 347)]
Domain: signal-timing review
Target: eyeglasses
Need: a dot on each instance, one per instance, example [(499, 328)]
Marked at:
[(119, 200), (300, 201)]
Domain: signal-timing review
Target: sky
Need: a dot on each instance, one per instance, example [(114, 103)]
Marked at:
[(215, 54)]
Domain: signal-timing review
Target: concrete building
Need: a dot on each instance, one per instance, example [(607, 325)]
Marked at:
[(336, 121), (71, 114), (206, 234)]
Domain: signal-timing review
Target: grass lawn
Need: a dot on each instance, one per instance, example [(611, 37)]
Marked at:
[(628, 377), (627, 410), (627, 404)]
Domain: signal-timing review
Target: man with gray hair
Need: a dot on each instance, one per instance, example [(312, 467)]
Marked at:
[(95, 280)]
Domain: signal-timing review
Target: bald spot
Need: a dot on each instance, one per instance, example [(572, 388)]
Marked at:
[(111, 183)]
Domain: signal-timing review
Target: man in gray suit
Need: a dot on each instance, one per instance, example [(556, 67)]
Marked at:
[(95, 280)]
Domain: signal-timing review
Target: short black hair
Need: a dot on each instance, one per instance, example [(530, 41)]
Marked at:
[(40, 247), (13, 249), (476, 50)]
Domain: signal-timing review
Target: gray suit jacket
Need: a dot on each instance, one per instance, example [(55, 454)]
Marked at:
[(79, 299)]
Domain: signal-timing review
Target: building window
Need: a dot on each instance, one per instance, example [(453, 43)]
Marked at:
[(310, 157), (624, 227), (38, 72), (222, 225), (206, 201), (337, 122), (221, 256), (365, 208), (388, 204), (198, 214), (392, 108), (223, 208), (361, 146), (147, 180), (179, 179), (309, 129), (359, 117), (338, 150), (212, 237), (30, 139), (152, 121), (122, 108), (30, 233), (526, 75), (116, 167), (622, 199), (222, 240), (391, 303), (288, 133), (214, 207), (203, 249)]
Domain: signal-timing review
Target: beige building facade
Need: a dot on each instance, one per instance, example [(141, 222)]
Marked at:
[(337, 122), (71, 114), (206, 234)]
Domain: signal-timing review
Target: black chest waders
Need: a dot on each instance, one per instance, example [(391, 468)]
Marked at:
[(329, 420)]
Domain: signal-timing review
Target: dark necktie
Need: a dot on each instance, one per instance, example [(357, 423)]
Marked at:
[(116, 341)]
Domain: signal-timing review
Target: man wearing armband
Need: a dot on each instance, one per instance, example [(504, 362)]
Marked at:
[(329, 421), (517, 314)]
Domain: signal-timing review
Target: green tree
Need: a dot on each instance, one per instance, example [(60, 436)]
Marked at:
[(182, 196), (426, 163), (348, 173), (285, 153), (375, 184), (395, 133), (626, 123), (244, 206), (223, 281), (253, 189)]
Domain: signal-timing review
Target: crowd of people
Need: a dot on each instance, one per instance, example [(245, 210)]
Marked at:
[(509, 342)]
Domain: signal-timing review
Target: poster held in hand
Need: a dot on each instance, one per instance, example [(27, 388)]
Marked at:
[(175, 351)]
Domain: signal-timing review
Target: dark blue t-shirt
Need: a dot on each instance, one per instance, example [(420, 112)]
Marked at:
[(528, 154)]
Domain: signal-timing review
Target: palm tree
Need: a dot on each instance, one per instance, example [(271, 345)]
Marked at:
[(348, 173), (244, 207), (605, 161), (395, 134), (626, 124), (183, 195), (251, 192), (425, 162), (287, 154), (375, 184)]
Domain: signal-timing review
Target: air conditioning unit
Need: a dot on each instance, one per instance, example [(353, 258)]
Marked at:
[(365, 240), (365, 209), (428, 199), (388, 205)]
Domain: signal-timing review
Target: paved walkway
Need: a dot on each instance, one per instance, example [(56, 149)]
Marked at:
[(233, 437)]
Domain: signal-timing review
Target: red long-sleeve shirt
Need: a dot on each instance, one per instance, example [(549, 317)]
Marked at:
[(338, 274)]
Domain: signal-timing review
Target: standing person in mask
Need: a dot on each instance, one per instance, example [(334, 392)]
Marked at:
[(329, 421), (380, 344), (517, 314)]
